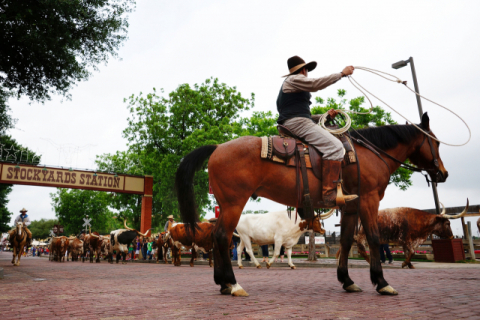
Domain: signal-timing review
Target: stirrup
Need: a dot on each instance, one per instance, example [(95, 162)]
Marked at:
[(341, 198)]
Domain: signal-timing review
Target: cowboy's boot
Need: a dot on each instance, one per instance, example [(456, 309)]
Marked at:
[(332, 187)]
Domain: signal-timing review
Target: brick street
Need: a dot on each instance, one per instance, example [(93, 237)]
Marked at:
[(40, 289)]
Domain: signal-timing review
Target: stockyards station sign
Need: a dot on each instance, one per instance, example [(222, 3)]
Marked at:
[(65, 178)]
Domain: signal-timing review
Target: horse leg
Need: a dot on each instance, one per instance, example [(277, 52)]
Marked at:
[(346, 240), (370, 225), (289, 258), (223, 272), (14, 254)]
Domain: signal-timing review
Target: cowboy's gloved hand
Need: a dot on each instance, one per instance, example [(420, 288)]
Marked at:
[(348, 70), (332, 113)]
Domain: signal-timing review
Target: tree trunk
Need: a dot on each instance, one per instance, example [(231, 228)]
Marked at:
[(312, 256)]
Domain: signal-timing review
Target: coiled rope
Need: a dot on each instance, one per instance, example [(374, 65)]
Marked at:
[(385, 75)]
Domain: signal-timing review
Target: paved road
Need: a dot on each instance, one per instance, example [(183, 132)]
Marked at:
[(76, 290)]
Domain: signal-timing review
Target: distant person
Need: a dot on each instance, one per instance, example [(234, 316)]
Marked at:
[(169, 222), (235, 241), (386, 248), (23, 217), (264, 252), (149, 249), (144, 249)]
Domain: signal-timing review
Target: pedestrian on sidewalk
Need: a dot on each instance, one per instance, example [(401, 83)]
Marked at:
[(282, 252), (265, 252), (385, 247), (144, 248), (235, 240), (149, 248), (137, 251)]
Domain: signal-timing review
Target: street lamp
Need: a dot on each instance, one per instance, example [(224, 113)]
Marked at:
[(401, 64)]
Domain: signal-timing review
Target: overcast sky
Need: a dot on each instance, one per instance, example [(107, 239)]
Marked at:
[(246, 44)]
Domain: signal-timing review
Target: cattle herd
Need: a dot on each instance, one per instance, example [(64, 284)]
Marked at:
[(407, 227)]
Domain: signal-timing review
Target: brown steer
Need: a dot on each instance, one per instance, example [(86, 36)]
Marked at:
[(203, 241), (93, 243), (409, 228), (75, 247), (59, 246)]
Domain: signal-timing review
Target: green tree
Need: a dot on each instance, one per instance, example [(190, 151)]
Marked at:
[(129, 206), (41, 228), (49, 45), (163, 129), (72, 205), (11, 151)]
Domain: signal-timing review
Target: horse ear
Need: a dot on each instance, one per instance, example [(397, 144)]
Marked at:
[(426, 121)]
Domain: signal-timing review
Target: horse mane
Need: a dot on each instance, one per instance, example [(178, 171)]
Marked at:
[(387, 137)]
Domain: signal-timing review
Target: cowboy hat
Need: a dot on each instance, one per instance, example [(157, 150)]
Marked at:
[(295, 64), (170, 217), (23, 210)]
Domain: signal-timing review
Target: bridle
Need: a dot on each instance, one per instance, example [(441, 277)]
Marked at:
[(437, 173)]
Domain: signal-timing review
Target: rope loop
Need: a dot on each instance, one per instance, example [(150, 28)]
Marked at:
[(392, 78)]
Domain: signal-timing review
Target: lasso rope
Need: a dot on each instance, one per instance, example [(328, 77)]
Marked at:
[(397, 80)]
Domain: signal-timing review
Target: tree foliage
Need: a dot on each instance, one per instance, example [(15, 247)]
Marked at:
[(72, 205), (8, 146), (49, 45), (129, 206), (163, 129), (41, 228)]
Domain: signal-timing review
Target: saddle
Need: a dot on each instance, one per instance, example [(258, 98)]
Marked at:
[(290, 150)]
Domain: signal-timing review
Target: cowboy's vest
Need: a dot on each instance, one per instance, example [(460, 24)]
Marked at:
[(291, 105)]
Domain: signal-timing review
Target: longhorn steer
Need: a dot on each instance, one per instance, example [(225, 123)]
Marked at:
[(273, 228), (93, 242), (120, 240), (75, 247), (409, 228), (59, 248), (203, 241), (162, 247)]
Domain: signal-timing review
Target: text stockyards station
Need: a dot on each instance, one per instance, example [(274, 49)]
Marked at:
[(64, 178)]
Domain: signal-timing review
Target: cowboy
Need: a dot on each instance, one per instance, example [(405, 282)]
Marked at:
[(23, 217), (169, 223), (293, 105)]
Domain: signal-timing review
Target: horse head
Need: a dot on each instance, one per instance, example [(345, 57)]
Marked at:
[(426, 155)]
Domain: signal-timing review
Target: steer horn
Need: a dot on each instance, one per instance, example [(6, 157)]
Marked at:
[(143, 235), (326, 215), (456, 216), (91, 234)]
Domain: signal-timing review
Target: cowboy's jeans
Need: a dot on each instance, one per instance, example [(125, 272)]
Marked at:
[(316, 136)]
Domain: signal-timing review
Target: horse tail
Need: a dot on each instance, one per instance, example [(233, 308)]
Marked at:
[(191, 163)]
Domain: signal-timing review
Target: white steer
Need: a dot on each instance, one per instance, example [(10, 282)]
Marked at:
[(274, 228)]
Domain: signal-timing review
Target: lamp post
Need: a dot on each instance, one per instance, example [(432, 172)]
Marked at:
[(401, 64)]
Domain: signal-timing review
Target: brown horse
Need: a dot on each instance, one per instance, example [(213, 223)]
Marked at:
[(18, 239), (237, 172)]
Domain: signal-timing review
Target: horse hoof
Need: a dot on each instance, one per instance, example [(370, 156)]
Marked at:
[(259, 267), (268, 265), (293, 267), (240, 267), (353, 288), (227, 290), (388, 291), (158, 262), (237, 291), (411, 267)]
